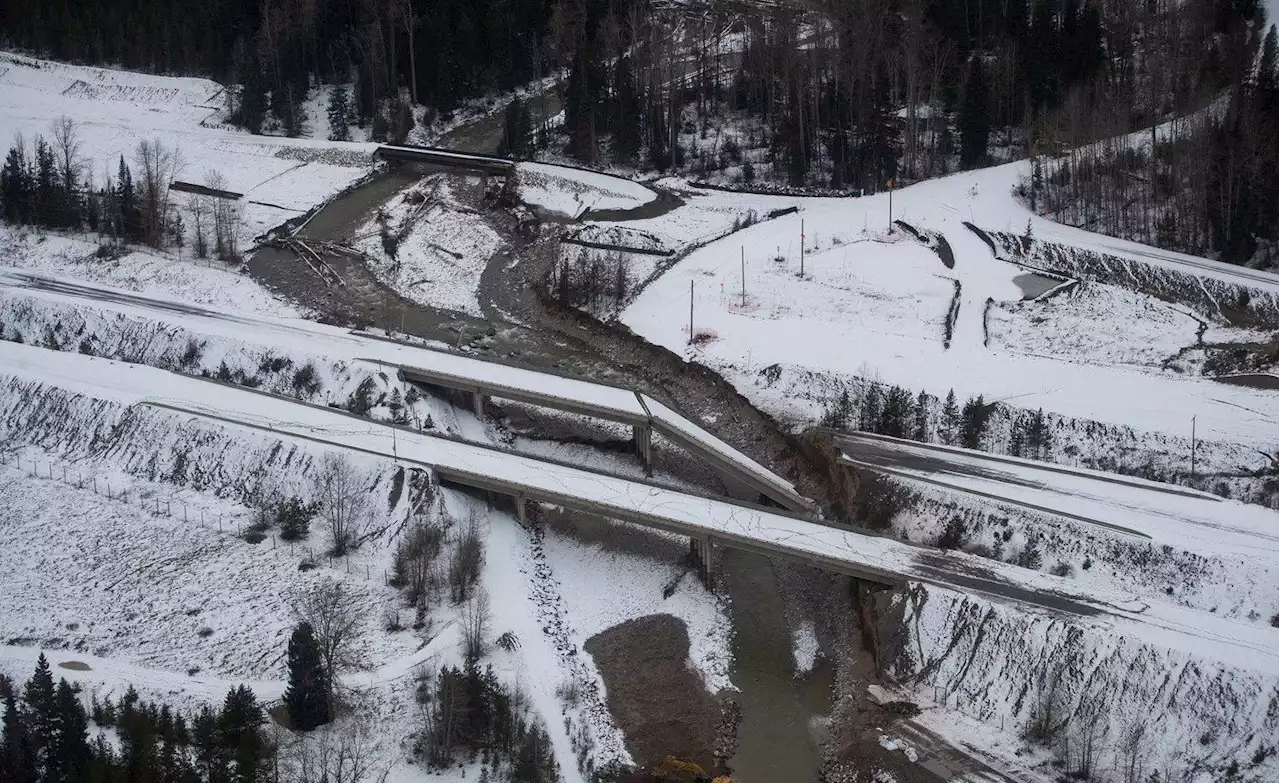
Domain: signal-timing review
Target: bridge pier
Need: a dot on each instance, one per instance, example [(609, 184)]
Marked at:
[(477, 403), (703, 552), (522, 509), (643, 434)]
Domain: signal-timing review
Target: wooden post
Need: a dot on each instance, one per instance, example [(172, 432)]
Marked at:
[(691, 312), (1193, 447), (801, 247)]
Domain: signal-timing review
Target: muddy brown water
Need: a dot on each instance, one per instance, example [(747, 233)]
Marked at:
[(775, 742), (1033, 285), (1259, 380), (775, 739)]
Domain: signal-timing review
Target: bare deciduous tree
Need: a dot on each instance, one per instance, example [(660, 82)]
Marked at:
[(157, 167), (198, 206), (475, 625), (66, 143), (1133, 750), (338, 621), (343, 501), (465, 560), (226, 220), (339, 753)]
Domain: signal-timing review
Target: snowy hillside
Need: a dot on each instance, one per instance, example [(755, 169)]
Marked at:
[(116, 110)]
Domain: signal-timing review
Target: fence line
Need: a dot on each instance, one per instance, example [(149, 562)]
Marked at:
[(158, 508)]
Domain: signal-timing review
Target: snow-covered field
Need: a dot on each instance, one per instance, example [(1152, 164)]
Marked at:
[(1068, 325), (116, 110), (165, 566), (570, 192), (875, 306), (209, 283)]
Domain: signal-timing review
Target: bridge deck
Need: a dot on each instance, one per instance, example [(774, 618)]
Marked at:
[(705, 518), (426, 365)]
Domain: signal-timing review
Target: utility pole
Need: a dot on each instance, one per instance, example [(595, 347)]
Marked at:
[(1193, 447), (691, 312), (891, 205), (744, 275), (802, 247)]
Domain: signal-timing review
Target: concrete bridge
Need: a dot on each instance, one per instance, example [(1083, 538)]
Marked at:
[(484, 164)]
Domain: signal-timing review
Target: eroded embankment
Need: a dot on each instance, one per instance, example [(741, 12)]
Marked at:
[(1095, 699)]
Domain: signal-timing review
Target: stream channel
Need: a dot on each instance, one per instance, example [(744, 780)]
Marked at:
[(775, 742)]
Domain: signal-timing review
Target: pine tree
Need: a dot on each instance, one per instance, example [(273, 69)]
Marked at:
[(16, 187), (306, 696), (253, 101), (210, 756), (517, 131), (897, 416), (950, 419), (68, 748), (1269, 62), (339, 112), (872, 407), (48, 192), (39, 696), (18, 749), (130, 217), (922, 418), (239, 732), (974, 120), (626, 112), (974, 422)]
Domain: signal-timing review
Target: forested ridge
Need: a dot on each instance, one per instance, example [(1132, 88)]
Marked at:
[(830, 94)]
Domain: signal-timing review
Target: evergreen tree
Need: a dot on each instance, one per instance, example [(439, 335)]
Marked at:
[(1267, 84), (210, 755), (239, 732), (68, 745), (130, 212), (974, 422), (517, 131), (339, 112), (306, 696), (16, 185), (18, 748), (974, 120), (872, 406), (48, 192), (626, 112), (922, 418), (39, 696), (253, 101), (294, 518), (898, 415), (950, 419)]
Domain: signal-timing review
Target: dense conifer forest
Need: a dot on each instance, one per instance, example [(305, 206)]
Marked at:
[(827, 94)]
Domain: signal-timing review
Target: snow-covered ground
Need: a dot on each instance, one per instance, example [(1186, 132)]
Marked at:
[(209, 283), (116, 110), (440, 247), (570, 192), (158, 599), (1002, 674), (1067, 325), (874, 305)]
